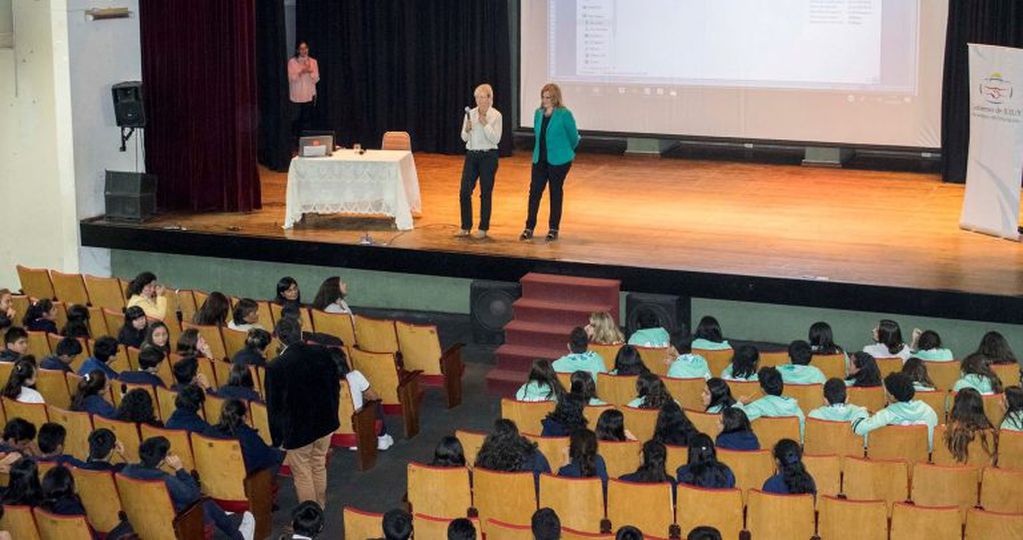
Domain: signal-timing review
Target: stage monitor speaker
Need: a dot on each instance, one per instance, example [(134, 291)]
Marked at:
[(129, 107), (673, 312), (490, 306), (130, 196)]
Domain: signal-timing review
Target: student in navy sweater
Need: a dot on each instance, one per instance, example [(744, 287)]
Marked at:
[(41, 317), (103, 444), (254, 353), (791, 478), (186, 372), (15, 344), (137, 407), (51, 445), (18, 436), (736, 431), (187, 404), (23, 485), (703, 469), (307, 520), (256, 453), (583, 461), (566, 417), (652, 470), (67, 350), (58, 494), (133, 333), (91, 395), (239, 385), (149, 364), (103, 350)]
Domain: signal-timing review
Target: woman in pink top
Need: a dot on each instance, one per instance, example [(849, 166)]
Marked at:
[(303, 74)]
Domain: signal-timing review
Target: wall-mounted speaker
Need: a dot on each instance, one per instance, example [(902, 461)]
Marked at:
[(673, 312), (129, 106), (490, 307)]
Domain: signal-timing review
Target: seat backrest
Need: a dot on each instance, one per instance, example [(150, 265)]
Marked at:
[(653, 358), (126, 432), (621, 457), (35, 282), (58, 527), (825, 437), (999, 490), (362, 524), (78, 426), (944, 374), (376, 335), (607, 352), (38, 345), (764, 510), (616, 389), (114, 320), (718, 508), (396, 140), (1008, 373), (936, 399), (942, 485), (69, 288), (180, 443), (98, 323), (994, 409), (527, 415), (717, 360), (977, 454), (471, 443), (507, 497), (499, 530), (19, 522), (338, 325), (871, 397), (33, 412), (439, 491), (769, 430), (221, 466), (53, 386), (420, 347), (677, 456), (916, 522), (579, 502), (889, 365), (99, 496), (641, 422), (187, 303), (740, 389), (592, 414), (260, 420), (873, 480), (148, 506), (687, 392), (345, 410), (234, 341), (826, 472), (428, 527), (1010, 449), (899, 442), (381, 371), (213, 338), (554, 449), (773, 358), (809, 396), (842, 519), (212, 407), (751, 467), (646, 506), (165, 401), (104, 292), (832, 365), (705, 422), (981, 525)]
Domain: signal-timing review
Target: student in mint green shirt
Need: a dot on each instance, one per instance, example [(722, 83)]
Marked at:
[(744, 364), (541, 385), (927, 345), (718, 396), (903, 411), (683, 364), (579, 357), (800, 371), (917, 372), (837, 410), (977, 374), (1013, 419), (650, 332), (773, 404), (708, 335)]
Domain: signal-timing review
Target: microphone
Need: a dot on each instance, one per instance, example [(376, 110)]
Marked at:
[(467, 109)]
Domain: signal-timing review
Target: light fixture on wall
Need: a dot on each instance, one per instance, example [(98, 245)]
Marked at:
[(105, 14)]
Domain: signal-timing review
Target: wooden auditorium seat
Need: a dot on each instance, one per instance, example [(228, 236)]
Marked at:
[(751, 467), (35, 282), (212, 406), (677, 456), (69, 288), (916, 522), (1008, 373), (443, 492), (98, 492), (773, 358), (396, 140), (748, 389), (260, 420), (936, 399), (38, 345), (908, 443), (105, 292), (421, 350), (234, 341), (339, 325), (509, 497), (180, 443), (808, 396), (98, 323), (499, 530), (705, 422), (653, 358), (645, 506), (872, 480), (687, 392), (78, 426), (769, 430), (151, 512), (114, 321), (126, 432), (718, 508), (33, 412), (19, 522), (871, 397), (165, 398), (889, 365), (214, 339), (641, 422), (592, 414), (717, 360), (362, 524), (982, 525), (1010, 449), (53, 386), (607, 352), (826, 472), (944, 374), (841, 519), (999, 490), (579, 502), (832, 365), (826, 437), (376, 335), (568, 533), (398, 388), (471, 443), (942, 485), (554, 449), (617, 390), (622, 457), (60, 527), (221, 467), (764, 510), (429, 527), (527, 415)]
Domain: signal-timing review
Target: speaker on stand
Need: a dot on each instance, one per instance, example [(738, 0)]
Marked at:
[(490, 307), (129, 109), (673, 312)]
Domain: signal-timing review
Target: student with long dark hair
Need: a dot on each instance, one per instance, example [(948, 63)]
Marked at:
[(744, 364), (192, 344), (611, 427), (566, 417), (21, 384), (703, 468), (542, 384), (927, 346), (255, 452), (507, 451), (585, 387), (254, 353), (1013, 419), (673, 426), (583, 459), (888, 341), (682, 362), (903, 410), (838, 409), (77, 325), (650, 392), (966, 422), (23, 486), (996, 349), (239, 385), (331, 296), (708, 335), (650, 333), (791, 478), (244, 316), (977, 374), (629, 362), (137, 407), (652, 470), (41, 317), (146, 293), (133, 333), (717, 396), (58, 493), (213, 312), (288, 293), (822, 339), (158, 336), (736, 431), (917, 371), (863, 371), (449, 453), (91, 393)]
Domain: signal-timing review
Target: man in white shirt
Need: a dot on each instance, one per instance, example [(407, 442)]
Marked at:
[(481, 131)]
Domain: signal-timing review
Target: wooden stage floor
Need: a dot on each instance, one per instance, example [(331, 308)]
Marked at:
[(870, 228)]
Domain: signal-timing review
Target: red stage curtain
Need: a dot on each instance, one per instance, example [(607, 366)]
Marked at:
[(199, 76)]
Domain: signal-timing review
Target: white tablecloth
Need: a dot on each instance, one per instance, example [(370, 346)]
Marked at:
[(377, 182)]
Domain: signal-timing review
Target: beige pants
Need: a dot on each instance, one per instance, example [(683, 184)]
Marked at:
[(309, 470)]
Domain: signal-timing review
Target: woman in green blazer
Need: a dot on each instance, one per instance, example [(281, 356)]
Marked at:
[(553, 152)]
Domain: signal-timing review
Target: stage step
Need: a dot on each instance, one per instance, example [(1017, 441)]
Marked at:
[(521, 357), (557, 311), (537, 334), (572, 290), (504, 382)]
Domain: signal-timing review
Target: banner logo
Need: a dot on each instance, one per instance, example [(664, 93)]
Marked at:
[(996, 90)]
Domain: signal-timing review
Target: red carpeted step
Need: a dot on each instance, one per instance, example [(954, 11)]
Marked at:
[(521, 357), (571, 289), (504, 382), (557, 312), (537, 334)]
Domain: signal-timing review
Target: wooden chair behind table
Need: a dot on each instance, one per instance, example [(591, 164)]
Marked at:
[(999, 490), (607, 352), (78, 426), (151, 512), (527, 415), (979, 453), (826, 437), (105, 292), (705, 422), (220, 464), (1008, 373), (499, 530), (504, 496), (770, 430), (579, 502), (99, 496), (842, 519), (641, 422), (554, 449), (362, 524), (621, 457), (439, 491), (35, 282), (616, 389), (69, 288), (687, 392), (396, 140), (653, 358), (751, 467), (421, 351), (38, 345), (870, 397), (717, 360), (764, 509), (718, 508), (875, 480), (58, 527), (809, 396), (429, 527), (19, 522), (645, 506), (53, 386), (398, 389), (915, 522), (826, 472), (981, 525), (941, 485), (471, 441), (832, 365), (33, 412), (944, 374), (126, 432)]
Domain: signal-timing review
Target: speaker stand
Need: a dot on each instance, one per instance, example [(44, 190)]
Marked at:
[(126, 134)]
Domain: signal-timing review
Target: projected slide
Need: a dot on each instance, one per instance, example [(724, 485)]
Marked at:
[(854, 71)]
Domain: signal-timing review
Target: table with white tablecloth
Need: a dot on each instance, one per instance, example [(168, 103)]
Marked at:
[(375, 182)]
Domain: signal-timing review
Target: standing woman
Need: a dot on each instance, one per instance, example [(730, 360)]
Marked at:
[(553, 152), (481, 131), (303, 74)]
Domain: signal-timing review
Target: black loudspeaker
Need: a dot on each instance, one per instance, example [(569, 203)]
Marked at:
[(674, 312), (129, 107), (490, 306), (130, 196)]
